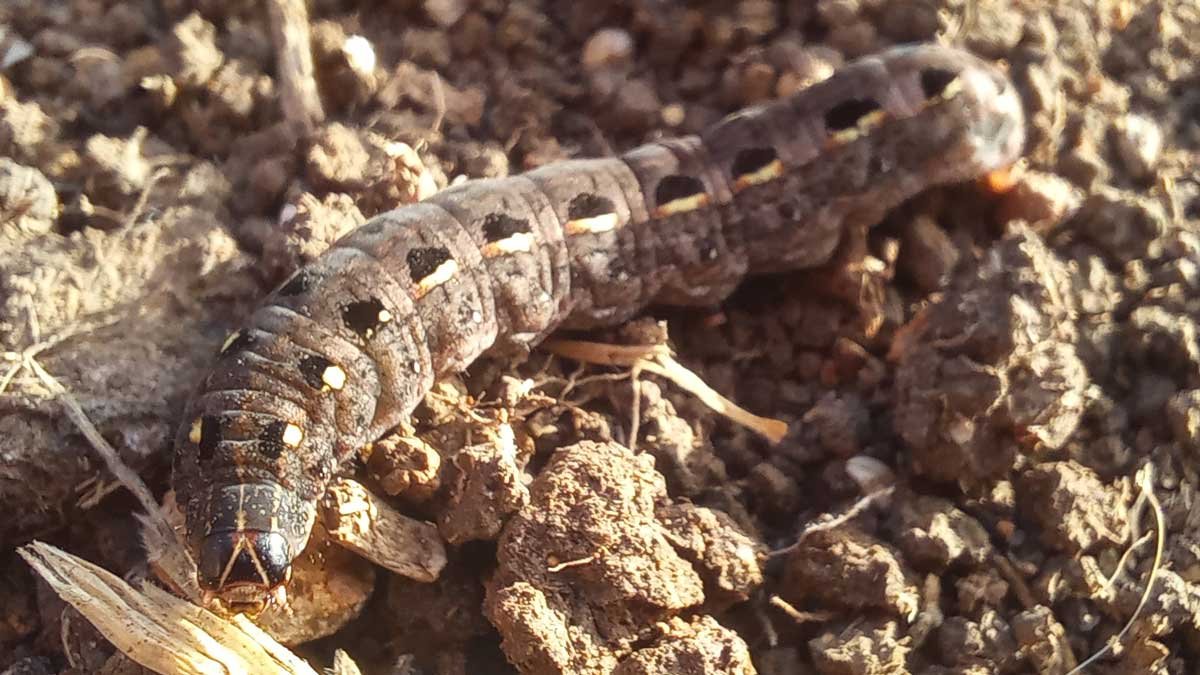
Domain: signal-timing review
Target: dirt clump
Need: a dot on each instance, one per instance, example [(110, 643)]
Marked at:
[(589, 560)]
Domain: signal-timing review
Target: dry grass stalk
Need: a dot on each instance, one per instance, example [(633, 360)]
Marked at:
[(156, 629), (657, 359)]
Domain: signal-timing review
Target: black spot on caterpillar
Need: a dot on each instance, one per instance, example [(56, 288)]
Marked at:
[(209, 432), (424, 261), (364, 317), (752, 159), (318, 374), (671, 188), (935, 80), (849, 113), (271, 443), (587, 205), (345, 349), (501, 226)]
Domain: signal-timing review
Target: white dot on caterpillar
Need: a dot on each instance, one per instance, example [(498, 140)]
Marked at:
[(476, 316), (196, 433), (384, 316), (292, 435), (334, 378)]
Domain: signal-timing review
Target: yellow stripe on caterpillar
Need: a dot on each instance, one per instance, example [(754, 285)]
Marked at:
[(444, 272), (521, 242), (230, 340), (682, 205), (952, 89), (771, 171), (604, 222), (864, 126)]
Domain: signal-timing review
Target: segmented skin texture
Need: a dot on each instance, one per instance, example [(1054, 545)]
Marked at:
[(345, 349)]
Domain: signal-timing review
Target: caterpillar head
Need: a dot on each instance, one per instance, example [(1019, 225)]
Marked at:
[(244, 571), (251, 534)]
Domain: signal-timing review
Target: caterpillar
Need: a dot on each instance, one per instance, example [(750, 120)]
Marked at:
[(345, 348)]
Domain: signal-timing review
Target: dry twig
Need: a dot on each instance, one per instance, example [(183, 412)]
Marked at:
[(144, 196), (172, 555), (798, 616), (172, 550), (835, 521), (439, 98), (1015, 580), (294, 65), (657, 359), (1145, 480)]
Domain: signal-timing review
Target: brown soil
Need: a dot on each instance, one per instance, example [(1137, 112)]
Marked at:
[(1006, 365)]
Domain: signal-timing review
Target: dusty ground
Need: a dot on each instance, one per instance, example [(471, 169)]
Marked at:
[(1005, 365)]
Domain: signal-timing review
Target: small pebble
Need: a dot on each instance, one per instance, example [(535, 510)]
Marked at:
[(413, 179), (446, 13), (907, 21), (51, 42), (98, 74), (1041, 199), (1084, 166), (719, 33), (13, 48), (756, 84), (757, 18), (27, 199), (1183, 416), (673, 114), (995, 29), (427, 48), (806, 67), (869, 473), (1139, 143), (191, 50), (777, 490), (928, 253), (854, 39), (360, 55), (636, 105), (116, 167), (608, 48), (837, 12)]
